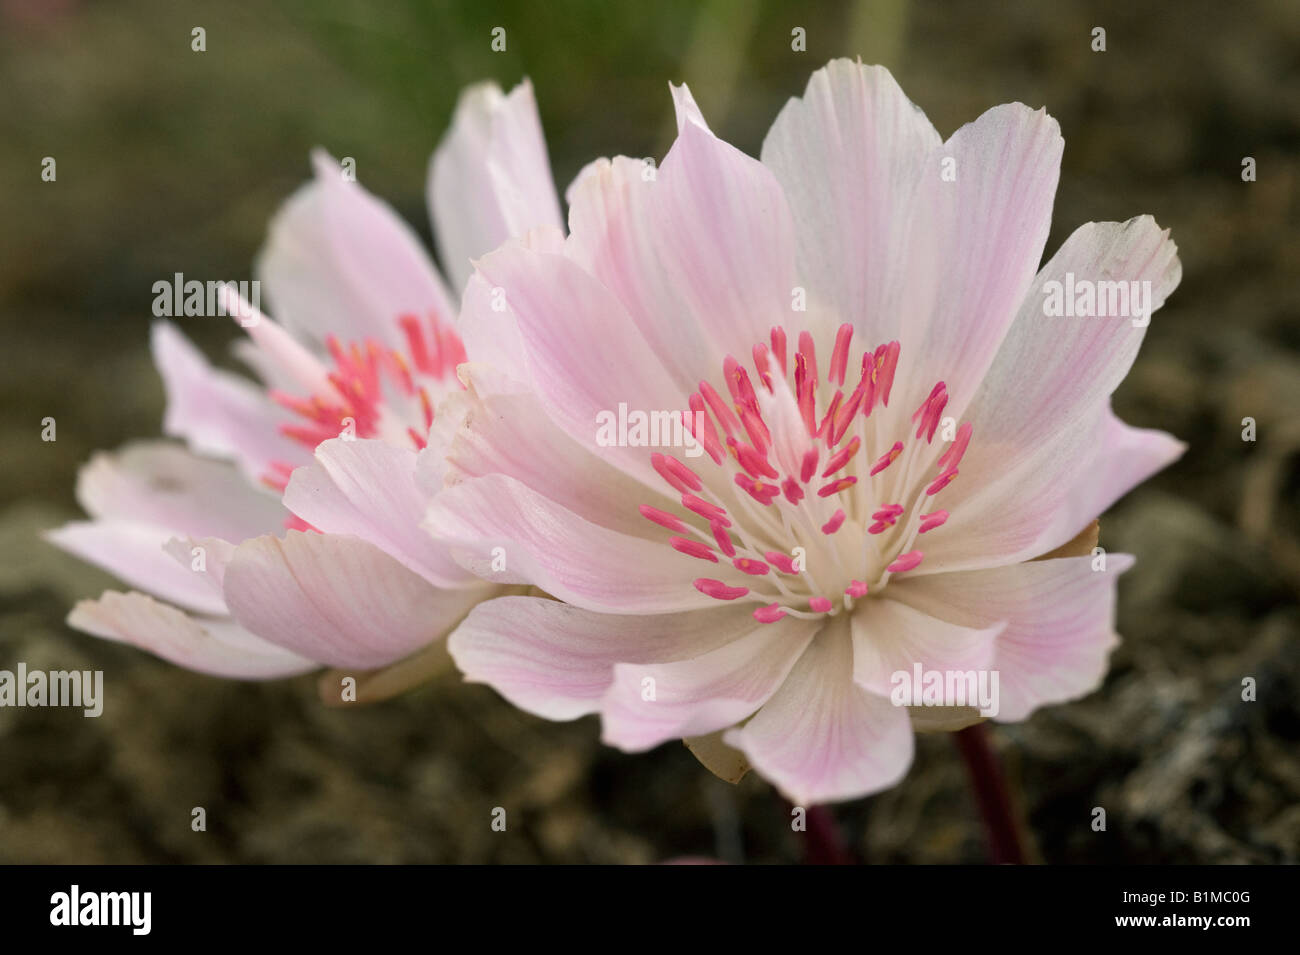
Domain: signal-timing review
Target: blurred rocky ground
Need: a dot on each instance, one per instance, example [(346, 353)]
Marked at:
[(169, 160)]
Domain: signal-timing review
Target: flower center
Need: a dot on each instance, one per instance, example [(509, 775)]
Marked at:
[(375, 392), (812, 505)]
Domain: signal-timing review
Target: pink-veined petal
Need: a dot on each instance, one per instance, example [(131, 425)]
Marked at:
[(155, 482), (489, 179), (338, 600), (849, 155), (889, 637), (338, 261), (823, 738), (557, 661), (218, 647), (218, 413), (367, 489), (706, 693), (977, 229), (134, 552), (542, 543), (1060, 623)]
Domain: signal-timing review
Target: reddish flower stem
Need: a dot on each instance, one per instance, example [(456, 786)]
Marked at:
[(991, 795), (822, 842)]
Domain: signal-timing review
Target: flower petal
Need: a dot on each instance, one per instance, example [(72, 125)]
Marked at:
[(134, 552), (338, 600), (155, 482), (822, 737), (889, 637), (367, 489), (584, 355), (511, 434), (548, 545), (218, 413), (1060, 623), (975, 240), (218, 647), (557, 661), (1046, 455), (338, 261), (849, 156), (700, 252), (1032, 510), (706, 693), (489, 179)]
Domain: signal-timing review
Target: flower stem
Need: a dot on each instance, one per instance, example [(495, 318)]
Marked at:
[(1006, 847), (823, 843)]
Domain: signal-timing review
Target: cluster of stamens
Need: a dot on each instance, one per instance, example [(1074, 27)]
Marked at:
[(374, 392), (797, 454)]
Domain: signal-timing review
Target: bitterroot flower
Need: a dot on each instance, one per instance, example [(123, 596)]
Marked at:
[(887, 423), (286, 535)]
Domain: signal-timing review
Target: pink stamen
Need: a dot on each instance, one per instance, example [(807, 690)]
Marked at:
[(941, 482), (952, 457), (365, 374), (805, 392), (681, 477), (295, 523), (693, 548), (759, 436), (720, 410), (905, 562), (706, 434), (718, 590), (792, 491), (809, 352), (723, 538), (835, 487), (780, 561), (828, 419), (759, 354), (710, 512), (930, 411), (842, 456), (930, 521), (840, 356), (887, 458), (738, 383), (809, 465), (758, 490), (742, 435), (662, 518), (884, 378), (778, 348), (751, 460), (415, 343), (844, 417)]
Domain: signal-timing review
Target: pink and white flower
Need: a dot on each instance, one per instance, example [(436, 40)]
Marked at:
[(894, 431), (286, 535)]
